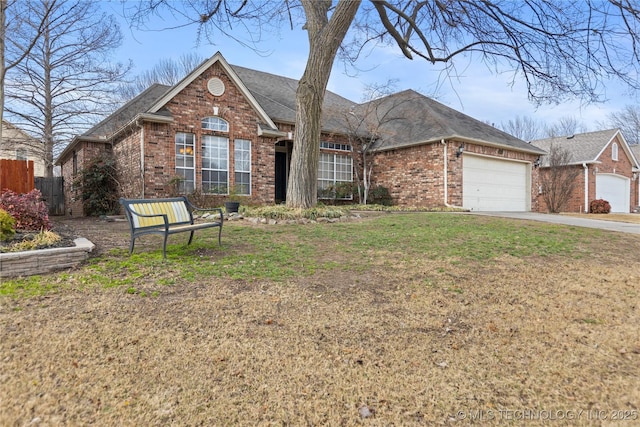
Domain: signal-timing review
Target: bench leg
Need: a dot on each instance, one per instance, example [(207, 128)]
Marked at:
[(190, 237), (219, 236), (164, 246), (131, 245)]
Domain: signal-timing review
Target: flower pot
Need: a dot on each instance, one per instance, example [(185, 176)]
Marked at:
[(231, 207)]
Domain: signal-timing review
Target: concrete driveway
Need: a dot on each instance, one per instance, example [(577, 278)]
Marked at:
[(623, 227)]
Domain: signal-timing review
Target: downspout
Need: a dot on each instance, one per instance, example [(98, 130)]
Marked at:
[(586, 187), (139, 123), (446, 178)]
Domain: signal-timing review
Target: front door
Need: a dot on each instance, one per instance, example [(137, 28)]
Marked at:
[(282, 170)]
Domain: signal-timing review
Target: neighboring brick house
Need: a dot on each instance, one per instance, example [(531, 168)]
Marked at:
[(608, 169), (18, 145), (227, 127)]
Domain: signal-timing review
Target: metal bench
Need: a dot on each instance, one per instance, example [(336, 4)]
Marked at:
[(165, 216)]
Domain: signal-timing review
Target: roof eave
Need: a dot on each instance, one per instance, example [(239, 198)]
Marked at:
[(534, 150)]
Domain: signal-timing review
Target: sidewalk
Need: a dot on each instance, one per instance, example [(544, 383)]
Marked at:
[(622, 227)]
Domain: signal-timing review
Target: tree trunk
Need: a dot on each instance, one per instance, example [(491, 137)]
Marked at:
[(3, 23), (325, 36)]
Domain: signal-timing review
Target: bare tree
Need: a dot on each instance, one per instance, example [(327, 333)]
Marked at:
[(365, 125), (560, 49), (67, 80), (565, 126), (21, 47), (558, 178), (523, 127), (167, 71), (628, 121)]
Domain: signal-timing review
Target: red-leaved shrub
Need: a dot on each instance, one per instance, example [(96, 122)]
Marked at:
[(599, 206), (29, 211)]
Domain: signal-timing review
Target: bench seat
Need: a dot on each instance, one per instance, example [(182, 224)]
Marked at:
[(165, 217)]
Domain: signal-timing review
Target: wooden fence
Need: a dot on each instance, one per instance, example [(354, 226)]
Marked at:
[(16, 175)]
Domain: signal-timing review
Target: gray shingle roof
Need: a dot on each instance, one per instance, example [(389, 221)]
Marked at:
[(410, 118), (277, 96), (126, 113), (583, 147), (635, 149)]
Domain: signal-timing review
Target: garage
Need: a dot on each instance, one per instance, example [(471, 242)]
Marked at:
[(615, 189), (490, 184)]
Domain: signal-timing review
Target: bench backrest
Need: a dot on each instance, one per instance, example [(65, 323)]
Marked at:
[(175, 209)]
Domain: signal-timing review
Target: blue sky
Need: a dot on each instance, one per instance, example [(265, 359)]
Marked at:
[(484, 95)]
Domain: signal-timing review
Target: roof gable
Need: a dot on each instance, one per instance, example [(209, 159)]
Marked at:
[(587, 147), (217, 58)]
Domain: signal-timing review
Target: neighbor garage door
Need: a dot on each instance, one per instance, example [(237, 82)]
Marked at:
[(490, 184), (615, 189)]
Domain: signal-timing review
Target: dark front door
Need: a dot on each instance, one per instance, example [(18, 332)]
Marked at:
[(281, 177)]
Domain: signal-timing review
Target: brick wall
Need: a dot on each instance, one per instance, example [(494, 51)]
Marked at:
[(188, 108), (84, 152), (415, 175)]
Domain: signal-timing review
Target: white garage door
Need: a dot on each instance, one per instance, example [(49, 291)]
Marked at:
[(615, 189), (489, 184)]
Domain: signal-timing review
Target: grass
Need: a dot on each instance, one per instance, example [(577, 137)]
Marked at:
[(409, 319), (287, 251)]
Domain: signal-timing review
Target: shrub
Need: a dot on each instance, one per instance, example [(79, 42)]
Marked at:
[(7, 225), (98, 186), (29, 211), (380, 195), (41, 240), (599, 206)]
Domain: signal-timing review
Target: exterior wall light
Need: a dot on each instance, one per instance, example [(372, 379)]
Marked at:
[(537, 162), (460, 150)]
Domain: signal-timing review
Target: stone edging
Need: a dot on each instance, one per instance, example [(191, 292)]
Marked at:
[(42, 261)]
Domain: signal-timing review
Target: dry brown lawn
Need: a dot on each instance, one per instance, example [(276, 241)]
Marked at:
[(534, 341)]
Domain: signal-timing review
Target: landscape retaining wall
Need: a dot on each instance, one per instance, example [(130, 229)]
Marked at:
[(30, 263)]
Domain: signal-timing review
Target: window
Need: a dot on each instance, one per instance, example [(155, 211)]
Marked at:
[(215, 123), (614, 151), (242, 165), (21, 154), (335, 176), (185, 162), (215, 164), (335, 146)]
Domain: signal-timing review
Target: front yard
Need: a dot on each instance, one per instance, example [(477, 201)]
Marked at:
[(401, 319)]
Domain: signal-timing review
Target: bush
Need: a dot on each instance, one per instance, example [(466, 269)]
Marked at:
[(98, 187), (29, 211), (599, 206), (7, 225), (380, 195)]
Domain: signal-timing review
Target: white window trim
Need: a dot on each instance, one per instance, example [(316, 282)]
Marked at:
[(202, 168), (335, 172), (218, 121), (235, 150), (182, 186)]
